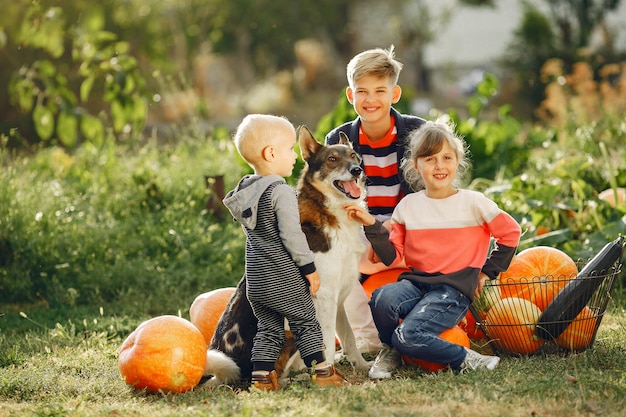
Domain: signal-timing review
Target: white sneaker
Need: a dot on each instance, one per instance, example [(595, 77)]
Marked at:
[(366, 345), (387, 360), (474, 360)]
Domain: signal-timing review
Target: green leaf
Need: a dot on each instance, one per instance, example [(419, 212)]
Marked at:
[(44, 122), (92, 128), (86, 86), (3, 38), (118, 114), (67, 129)]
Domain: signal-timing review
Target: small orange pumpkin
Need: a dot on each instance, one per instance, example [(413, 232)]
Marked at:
[(381, 278), (166, 353), (510, 324), (537, 274), (469, 326), (608, 195), (207, 308), (579, 334), (454, 335)]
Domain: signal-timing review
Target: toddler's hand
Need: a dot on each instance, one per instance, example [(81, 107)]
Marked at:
[(314, 282)]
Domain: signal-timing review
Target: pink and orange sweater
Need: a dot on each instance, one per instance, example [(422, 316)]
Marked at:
[(448, 240)]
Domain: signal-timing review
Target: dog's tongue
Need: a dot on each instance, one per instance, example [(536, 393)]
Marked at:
[(352, 188)]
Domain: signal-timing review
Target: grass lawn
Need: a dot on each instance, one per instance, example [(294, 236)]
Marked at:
[(70, 369)]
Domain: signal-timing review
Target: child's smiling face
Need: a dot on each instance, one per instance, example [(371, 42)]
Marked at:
[(438, 171)]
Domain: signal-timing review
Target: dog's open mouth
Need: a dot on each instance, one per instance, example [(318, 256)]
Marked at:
[(349, 188)]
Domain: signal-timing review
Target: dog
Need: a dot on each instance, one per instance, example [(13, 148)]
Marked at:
[(331, 178)]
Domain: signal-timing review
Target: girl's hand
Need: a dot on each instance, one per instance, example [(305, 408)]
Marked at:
[(314, 282), (372, 257), (482, 280), (360, 214)]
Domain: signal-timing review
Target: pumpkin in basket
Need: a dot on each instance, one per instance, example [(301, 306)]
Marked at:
[(537, 274), (166, 353), (510, 324), (454, 335), (579, 334), (207, 308)]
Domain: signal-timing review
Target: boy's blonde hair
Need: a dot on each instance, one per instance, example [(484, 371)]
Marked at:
[(255, 132), (377, 62), (427, 140)]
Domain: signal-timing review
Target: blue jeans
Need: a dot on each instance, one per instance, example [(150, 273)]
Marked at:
[(426, 311)]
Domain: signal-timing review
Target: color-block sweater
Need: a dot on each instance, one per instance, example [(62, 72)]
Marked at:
[(448, 240)]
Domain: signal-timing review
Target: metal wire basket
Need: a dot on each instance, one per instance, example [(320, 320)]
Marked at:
[(516, 326)]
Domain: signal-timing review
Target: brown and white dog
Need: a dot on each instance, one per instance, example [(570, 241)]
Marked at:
[(332, 178)]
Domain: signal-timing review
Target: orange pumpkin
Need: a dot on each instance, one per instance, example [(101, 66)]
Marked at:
[(510, 324), (579, 334), (207, 308), (469, 326), (454, 335), (537, 274), (381, 278), (609, 196), (165, 353)]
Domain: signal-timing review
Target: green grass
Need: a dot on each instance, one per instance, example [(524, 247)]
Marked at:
[(97, 240), (70, 369)]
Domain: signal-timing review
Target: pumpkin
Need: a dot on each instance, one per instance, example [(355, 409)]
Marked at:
[(454, 335), (489, 296), (381, 278), (579, 334), (510, 324), (608, 195), (207, 308), (166, 354), (537, 274), (469, 326)]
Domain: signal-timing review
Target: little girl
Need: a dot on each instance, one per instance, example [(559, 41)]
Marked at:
[(443, 233)]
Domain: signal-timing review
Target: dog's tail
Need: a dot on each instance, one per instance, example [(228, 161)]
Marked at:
[(223, 369)]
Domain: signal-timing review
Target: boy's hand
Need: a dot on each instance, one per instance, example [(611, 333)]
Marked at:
[(314, 282), (359, 214)]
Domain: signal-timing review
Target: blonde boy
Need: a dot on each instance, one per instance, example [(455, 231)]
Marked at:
[(379, 134), (277, 253)]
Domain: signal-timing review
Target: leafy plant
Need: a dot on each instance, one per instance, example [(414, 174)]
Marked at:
[(73, 90)]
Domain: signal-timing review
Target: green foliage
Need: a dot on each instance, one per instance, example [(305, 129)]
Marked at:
[(496, 147), (78, 78), (342, 113), (563, 32), (94, 226)]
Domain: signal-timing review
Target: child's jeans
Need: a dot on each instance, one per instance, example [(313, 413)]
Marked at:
[(426, 311)]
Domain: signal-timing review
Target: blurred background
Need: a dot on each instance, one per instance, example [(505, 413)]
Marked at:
[(78, 70)]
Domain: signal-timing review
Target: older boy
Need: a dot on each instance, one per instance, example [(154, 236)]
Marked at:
[(378, 134)]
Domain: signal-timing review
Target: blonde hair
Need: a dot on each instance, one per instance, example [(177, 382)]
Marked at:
[(427, 140), (378, 62), (256, 132)]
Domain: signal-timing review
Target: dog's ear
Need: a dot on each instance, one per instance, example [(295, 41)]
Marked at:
[(308, 144), (343, 139)]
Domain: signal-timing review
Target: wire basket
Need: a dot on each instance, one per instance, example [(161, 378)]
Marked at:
[(516, 326)]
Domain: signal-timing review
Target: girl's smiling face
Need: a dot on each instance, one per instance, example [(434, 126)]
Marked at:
[(438, 171)]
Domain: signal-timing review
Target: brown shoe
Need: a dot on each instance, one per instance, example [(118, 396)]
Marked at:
[(265, 382), (328, 376)]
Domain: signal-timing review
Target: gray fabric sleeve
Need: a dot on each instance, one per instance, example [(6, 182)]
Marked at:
[(288, 217)]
